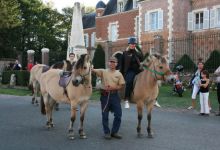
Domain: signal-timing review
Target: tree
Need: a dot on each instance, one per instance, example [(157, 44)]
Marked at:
[(10, 14)]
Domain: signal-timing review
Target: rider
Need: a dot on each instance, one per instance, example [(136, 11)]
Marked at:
[(130, 67)]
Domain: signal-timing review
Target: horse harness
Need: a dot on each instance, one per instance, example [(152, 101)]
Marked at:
[(154, 71)]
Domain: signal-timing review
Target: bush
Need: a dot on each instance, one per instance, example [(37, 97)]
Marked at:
[(98, 61), (187, 63), (22, 77), (213, 61)]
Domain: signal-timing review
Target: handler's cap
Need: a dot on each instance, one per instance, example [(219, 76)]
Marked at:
[(113, 59)]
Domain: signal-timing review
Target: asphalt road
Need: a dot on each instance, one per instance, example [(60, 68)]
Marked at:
[(22, 127)]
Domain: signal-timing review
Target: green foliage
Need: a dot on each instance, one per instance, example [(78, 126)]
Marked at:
[(22, 77), (98, 61), (187, 63), (213, 61), (10, 14)]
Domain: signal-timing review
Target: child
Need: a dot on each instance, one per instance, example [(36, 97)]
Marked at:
[(204, 93)]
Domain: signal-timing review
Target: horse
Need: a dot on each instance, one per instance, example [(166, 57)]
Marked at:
[(73, 94), (37, 71), (155, 67)]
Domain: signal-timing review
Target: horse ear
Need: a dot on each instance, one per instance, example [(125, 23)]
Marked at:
[(163, 59)]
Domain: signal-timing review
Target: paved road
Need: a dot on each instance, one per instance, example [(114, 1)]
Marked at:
[(22, 128)]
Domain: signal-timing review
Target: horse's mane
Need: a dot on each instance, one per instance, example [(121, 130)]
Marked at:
[(149, 58), (60, 64), (80, 62)]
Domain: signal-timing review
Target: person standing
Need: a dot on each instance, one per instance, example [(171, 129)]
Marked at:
[(204, 93), (217, 73), (72, 59), (111, 81), (30, 65), (195, 82), (17, 65), (130, 67)]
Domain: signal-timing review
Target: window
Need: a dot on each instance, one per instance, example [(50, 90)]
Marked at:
[(154, 20), (135, 4), (218, 17), (199, 20), (113, 32), (120, 6), (86, 39), (93, 37)]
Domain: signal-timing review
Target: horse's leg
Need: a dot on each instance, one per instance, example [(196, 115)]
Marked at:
[(72, 119), (37, 88), (56, 106), (47, 109), (51, 105), (34, 94), (140, 106), (149, 110), (83, 108)]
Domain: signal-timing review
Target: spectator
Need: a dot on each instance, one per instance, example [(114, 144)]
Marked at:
[(17, 65), (30, 65), (217, 73), (204, 93)]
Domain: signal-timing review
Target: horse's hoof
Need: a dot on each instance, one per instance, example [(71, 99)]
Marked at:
[(139, 135), (57, 109), (83, 137), (71, 137), (150, 136)]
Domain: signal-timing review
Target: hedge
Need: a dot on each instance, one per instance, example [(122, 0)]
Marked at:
[(213, 61), (22, 77), (187, 63)]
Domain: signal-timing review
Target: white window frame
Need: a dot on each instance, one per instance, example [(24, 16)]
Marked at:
[(93, 39), (112, 37), (218, 17), (160, 17), (135, 4), (137, 26), (199, 25), (86, 39), (192, 19), (120, 6)]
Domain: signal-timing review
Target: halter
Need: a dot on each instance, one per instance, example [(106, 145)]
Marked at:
[(154, 71)]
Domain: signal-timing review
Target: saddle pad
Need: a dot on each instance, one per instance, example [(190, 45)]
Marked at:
[(64, 81)]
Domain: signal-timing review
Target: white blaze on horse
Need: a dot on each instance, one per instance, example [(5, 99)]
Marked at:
[(74, 93), (146, 87), (38, 70)]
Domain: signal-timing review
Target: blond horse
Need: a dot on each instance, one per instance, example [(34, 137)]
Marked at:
[(74, 95), (146, 87), (38, 70)]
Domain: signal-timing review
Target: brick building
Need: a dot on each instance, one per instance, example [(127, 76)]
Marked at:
[(156, 23)]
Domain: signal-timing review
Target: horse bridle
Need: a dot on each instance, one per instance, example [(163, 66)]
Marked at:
[(155, 72)]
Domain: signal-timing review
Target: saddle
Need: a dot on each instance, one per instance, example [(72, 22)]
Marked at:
[(45, 69), (65, 78)]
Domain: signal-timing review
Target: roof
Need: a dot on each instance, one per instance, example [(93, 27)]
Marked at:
[(89, 20)]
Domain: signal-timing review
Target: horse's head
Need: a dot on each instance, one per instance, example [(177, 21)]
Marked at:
[(82, 69), (158, 66)]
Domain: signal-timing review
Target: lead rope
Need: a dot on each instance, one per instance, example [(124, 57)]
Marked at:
[(106, 103)]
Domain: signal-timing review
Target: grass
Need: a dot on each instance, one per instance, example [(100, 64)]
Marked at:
[(165, 98)]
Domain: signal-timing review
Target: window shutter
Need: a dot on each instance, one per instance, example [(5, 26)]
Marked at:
[(160, 20), (146, 22), (190, 21), (206, 19), (212, 18)]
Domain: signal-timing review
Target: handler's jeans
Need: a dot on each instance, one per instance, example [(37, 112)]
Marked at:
[(129, 78), (111, 103)]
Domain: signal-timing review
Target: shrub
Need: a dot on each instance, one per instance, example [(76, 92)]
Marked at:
[(22, 77), (187, 63), (98, 61), (212, 62)]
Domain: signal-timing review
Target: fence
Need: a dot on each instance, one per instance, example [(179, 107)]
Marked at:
[(206, 47)]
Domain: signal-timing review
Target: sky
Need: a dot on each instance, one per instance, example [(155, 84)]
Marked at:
[(59, 4)]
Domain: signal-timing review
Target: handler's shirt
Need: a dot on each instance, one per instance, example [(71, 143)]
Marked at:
[(110, 78)]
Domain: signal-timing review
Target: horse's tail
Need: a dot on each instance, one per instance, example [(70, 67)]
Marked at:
[(42, 106), (30, 85)]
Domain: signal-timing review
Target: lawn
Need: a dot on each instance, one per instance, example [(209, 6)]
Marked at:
[(165, 98)]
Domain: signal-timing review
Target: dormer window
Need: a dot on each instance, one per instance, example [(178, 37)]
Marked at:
[(135, 4), (120, 6)]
